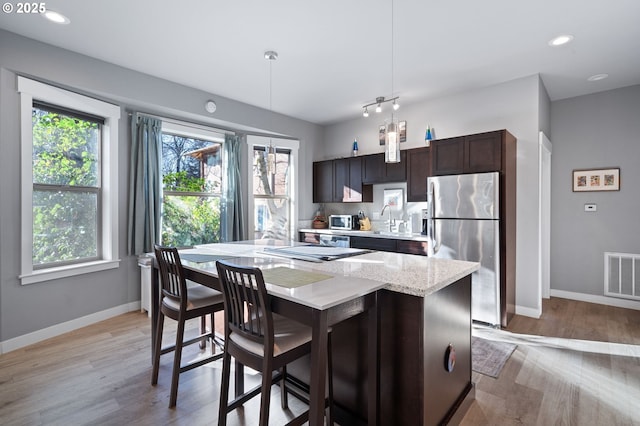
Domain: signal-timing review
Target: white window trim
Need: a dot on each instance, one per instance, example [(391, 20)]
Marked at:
[(30, 90), (291, 144)]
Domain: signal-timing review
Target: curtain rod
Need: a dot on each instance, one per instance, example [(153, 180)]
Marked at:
[(224, 130), (185, 123)]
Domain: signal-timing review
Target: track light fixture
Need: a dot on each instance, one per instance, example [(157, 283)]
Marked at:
[(378, 103)]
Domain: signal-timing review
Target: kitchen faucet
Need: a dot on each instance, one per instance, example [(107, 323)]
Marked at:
[(382, 213)]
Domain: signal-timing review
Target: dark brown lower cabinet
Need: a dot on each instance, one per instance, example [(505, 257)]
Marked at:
[(415, 334), (370, 243)]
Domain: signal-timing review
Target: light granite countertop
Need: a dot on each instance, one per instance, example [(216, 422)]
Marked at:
[(403, 273)]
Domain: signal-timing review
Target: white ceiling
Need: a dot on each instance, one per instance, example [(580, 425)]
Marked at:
[(335, 55)]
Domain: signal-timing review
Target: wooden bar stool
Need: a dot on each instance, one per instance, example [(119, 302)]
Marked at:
[(181, 303), (260, 339)]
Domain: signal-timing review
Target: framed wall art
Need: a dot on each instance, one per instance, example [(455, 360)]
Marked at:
[(382, 131), (596, 180), (394, 198), (402, 129)]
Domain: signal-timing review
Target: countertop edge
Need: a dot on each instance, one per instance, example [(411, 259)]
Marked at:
[(368, 234), (424, 292)]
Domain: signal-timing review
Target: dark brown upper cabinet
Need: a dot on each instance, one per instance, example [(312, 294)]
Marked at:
[(418, 170), (347, 181), (396, 172), (323, 181), (447, 156), (340, 181), (375, 170), (483, 152), (468, 154)]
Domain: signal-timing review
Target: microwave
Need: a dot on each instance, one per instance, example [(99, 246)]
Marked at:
[(344, 221)]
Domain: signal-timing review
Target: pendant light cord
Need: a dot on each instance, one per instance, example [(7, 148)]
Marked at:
[(392, 51)]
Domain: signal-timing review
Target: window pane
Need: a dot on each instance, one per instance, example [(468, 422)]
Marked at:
[(191, 165), (190, 220), (65, 149), (266, 184), (271, 218), (64, 226)]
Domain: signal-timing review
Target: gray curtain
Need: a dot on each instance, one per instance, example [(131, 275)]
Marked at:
[(144, 184), (231, 208)]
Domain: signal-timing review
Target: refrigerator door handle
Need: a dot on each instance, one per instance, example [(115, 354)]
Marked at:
[(433, 247)]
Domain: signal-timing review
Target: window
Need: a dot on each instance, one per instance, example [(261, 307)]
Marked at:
[(272, 204), (69, 183), (192, 182), (66, 187)]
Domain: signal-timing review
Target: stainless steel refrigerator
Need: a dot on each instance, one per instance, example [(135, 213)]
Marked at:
[(463, 223)]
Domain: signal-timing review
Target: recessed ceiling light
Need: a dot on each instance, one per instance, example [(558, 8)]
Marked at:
[(597, 77), (560, 40), (56, 17)]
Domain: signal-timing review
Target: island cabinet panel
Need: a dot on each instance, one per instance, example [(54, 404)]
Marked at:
[(323, 182), (415, 332), (418, 170)]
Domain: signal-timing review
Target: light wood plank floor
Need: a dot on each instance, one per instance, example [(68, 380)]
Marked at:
[(577, 365)]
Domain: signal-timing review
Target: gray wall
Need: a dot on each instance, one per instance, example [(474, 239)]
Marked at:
[(515, 106), (28, 309), (595, 131)]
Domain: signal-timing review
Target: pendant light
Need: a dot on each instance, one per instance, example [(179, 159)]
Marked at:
[(392, 140), (391, 136), (271, 56)]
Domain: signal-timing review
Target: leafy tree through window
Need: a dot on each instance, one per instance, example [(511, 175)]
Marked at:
[(66, 186), (271, 193), (192, 181)]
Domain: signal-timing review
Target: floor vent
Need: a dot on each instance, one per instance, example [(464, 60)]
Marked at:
[(622, 275)]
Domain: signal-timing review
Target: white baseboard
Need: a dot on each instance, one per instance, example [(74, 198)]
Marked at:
[(528, 312), (594, 298), (65, 327)]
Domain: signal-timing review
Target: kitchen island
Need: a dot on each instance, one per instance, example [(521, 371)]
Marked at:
[(422, 324)]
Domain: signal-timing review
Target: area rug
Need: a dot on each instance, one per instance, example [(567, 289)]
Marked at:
[(488, 357)]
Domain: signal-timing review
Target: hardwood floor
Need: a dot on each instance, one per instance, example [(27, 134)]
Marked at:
[(577, 365), (101, 375)]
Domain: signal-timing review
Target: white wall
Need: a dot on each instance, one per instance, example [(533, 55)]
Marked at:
[(27, 310), (515, 106)]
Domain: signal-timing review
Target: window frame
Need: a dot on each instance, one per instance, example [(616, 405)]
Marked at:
[(29, 91), (292, 145)]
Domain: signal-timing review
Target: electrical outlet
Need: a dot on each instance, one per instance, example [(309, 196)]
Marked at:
[(590, 207)]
